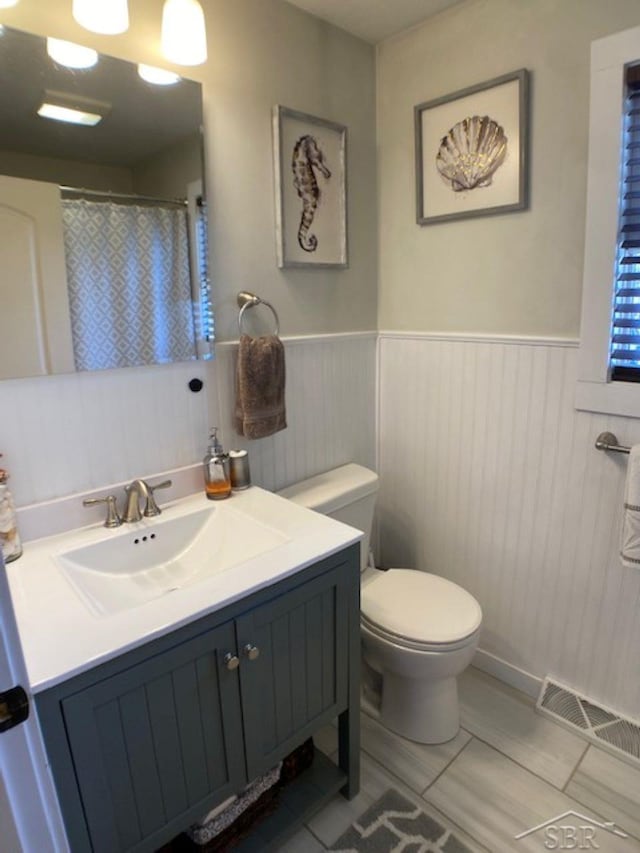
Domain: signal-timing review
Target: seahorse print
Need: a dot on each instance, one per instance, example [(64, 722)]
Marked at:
[(307, 157)]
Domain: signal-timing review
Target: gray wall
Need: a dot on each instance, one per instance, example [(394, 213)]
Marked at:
[(519, 273), (262, 53), (90, 430)]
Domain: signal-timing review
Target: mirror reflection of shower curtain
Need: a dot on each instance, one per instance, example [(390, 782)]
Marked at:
[(129, 284)]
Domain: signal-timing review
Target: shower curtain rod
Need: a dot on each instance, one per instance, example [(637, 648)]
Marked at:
[(107, 194)]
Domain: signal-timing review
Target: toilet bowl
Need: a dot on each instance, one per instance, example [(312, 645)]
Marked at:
[(419, 631)]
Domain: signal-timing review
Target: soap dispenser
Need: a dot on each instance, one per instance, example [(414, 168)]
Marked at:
[(217, 482), (9, 537)]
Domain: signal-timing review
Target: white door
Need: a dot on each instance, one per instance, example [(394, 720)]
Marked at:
[(35, 326), (30, 820)]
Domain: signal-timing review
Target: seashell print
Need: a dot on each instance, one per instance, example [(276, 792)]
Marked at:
[(471, 153)]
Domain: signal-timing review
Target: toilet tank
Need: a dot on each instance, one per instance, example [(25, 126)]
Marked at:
[(347, 494)]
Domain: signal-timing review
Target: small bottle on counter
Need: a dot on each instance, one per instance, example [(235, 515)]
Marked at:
[(9, 535), (217, 482), (239, 469)]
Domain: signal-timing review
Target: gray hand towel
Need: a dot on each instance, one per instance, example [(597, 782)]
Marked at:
[(260, 384)]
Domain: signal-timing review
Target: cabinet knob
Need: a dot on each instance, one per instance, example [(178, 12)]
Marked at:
[(251, 652), (231, 661)]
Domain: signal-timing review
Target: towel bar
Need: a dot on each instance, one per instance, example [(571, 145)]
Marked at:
[(608, 441), (249, 300)]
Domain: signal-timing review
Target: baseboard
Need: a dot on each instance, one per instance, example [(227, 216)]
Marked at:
[(512, 675)]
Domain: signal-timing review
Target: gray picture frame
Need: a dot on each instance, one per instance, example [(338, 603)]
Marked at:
[(329, 215), (474, 101)]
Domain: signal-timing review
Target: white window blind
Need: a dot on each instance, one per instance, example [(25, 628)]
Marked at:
[(625, 334), (207, 321)]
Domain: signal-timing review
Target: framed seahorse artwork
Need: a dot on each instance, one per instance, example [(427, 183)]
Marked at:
[(310, 160)]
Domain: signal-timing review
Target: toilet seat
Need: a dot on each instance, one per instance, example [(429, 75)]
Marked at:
[(421, 611), (405, 643)]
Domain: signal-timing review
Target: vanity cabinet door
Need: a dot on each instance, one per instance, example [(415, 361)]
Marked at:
[(153, 742), (299, 678)]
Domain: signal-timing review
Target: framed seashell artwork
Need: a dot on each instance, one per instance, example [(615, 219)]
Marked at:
[(472, 151), (310, 156)]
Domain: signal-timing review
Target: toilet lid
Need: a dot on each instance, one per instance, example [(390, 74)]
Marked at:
[(419, 607)]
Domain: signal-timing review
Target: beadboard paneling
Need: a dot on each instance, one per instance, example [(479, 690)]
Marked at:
[(489, 477), (67, 434), (83, 431), (330, 399)]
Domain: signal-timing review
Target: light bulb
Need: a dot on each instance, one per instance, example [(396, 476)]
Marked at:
[(109, 17), (184, 36), (70, 54), (157, 76)]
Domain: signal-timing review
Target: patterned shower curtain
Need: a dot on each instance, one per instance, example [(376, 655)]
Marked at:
[(129, 284)]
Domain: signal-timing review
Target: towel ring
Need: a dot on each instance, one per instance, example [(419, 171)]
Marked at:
[(250, 300)]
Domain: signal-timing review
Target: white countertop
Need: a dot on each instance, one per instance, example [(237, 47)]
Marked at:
[(60, 635)]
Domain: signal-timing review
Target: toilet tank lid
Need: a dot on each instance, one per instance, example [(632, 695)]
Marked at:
[(334, 489)]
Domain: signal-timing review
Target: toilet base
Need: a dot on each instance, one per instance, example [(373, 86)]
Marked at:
[(423, 711)]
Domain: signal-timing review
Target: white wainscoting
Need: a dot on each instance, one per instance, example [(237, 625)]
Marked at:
[(489, 477), (331, 386), (69, 434), (79, 433)]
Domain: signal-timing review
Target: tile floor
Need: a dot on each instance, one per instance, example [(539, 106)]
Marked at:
[(508, 770)]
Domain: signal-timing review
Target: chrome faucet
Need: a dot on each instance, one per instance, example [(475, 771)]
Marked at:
[(137, 489)]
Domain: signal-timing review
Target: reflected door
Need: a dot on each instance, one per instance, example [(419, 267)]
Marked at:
[(35, 332)]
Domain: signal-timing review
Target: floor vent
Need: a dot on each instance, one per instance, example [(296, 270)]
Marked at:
[(603, 726)]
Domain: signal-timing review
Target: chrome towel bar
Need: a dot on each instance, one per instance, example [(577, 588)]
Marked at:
[(608, 441), (249, 300)]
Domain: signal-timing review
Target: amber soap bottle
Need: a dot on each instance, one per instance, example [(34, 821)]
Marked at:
[(217, 481)]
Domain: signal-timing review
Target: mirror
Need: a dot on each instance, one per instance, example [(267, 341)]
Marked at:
[(103, 224)]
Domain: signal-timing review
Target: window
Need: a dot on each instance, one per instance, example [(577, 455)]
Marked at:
[(624, 361), (200, 275), (205, 305), (610, 333)]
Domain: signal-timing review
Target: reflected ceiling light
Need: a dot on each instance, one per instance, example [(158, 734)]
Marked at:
[(68, 114), (70, 54), (73, 109), (5, 4), (184, 36), (109, 17), (157, 76)]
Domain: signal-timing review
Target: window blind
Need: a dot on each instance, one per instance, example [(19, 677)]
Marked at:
[(625, 334), (206, 302)]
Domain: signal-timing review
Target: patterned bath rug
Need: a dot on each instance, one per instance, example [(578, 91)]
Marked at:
[(394, 824)]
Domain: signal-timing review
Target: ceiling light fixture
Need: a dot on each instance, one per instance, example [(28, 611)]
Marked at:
[(70, 54), (61, 106), (68, 114), (108, 17), (184, 36), (157, 76)]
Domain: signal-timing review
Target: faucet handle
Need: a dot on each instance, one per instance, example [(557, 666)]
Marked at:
[(113, 518), (151, 507)]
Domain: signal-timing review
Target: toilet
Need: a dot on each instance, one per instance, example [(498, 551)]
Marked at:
[(419, 631)]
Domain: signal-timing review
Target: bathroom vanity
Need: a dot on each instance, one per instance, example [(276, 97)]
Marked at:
[(152, 719)]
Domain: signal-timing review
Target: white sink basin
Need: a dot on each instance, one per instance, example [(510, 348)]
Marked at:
[(159, 556)]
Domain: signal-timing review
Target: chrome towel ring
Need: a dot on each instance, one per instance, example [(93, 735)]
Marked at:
[(250, 300)]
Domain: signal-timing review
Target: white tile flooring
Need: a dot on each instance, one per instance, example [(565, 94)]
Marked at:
[(508, 770)]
